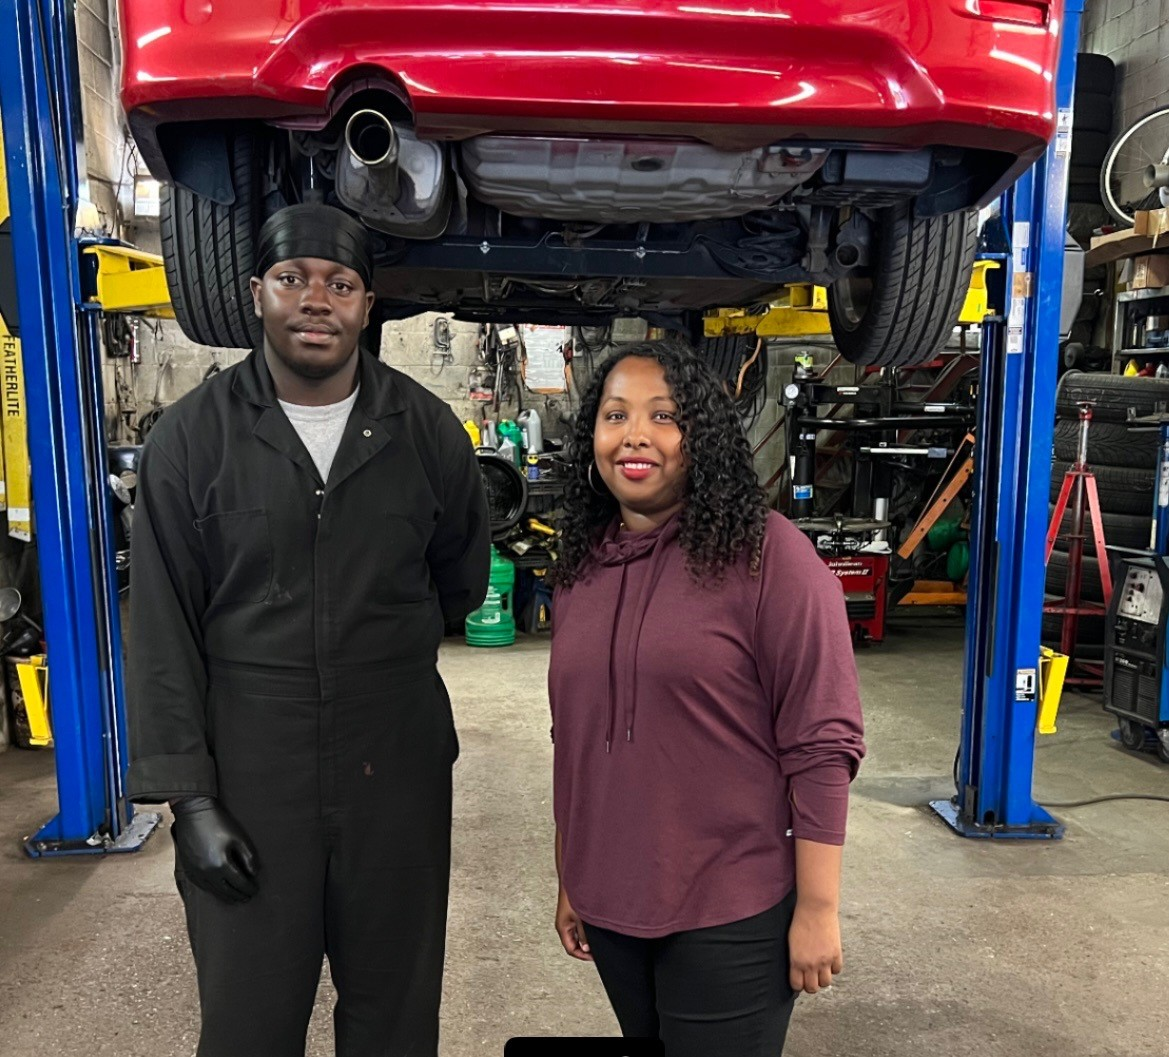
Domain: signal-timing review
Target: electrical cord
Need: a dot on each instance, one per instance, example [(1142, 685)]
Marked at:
[(1104, 799), (1089, 802)]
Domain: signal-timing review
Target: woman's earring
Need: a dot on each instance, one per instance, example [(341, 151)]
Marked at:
[(592, 484)]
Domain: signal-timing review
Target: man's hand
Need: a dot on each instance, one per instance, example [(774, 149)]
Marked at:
[(214, 852), (814, 946), (570, 929)]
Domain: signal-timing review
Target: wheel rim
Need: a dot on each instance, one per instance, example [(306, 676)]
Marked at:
[(1135, 148), (1132, 735), (852, 297)]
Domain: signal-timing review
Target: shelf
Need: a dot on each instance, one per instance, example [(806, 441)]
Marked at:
[(1143, 295), (1133, 353), (547, 486)]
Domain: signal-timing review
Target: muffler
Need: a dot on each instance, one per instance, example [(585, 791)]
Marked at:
[(394, 181)]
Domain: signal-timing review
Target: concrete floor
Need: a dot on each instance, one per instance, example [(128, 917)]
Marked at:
[(953, 947)]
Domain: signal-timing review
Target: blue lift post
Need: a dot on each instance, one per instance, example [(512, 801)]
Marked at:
[(39, 101), (1012, 476)]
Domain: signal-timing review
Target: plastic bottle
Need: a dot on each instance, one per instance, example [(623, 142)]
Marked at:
[(508, 430), (473, 433), (1162, 370), (533, 431), (490, 437), (1131, 369)]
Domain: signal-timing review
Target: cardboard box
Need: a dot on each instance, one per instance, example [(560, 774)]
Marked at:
[(1154, 223), (1150, 272), (1116, 246)]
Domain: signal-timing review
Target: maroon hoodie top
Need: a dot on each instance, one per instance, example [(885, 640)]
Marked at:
[(698, 729)]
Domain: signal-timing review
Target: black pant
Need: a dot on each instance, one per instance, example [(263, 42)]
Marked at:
[(347, 800), (715, 992)]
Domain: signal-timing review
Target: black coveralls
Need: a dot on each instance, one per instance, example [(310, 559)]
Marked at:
[(283, 648)]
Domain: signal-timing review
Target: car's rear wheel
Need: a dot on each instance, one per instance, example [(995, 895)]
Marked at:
[(904, 311), (208, 252)]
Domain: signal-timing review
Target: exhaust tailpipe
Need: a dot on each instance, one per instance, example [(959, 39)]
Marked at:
[(390, 178), (373, 146)]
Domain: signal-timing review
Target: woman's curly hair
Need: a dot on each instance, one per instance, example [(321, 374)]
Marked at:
[(724, 513)]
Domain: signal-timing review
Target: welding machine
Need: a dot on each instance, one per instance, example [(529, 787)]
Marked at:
[(1136, 667), (861, 565)]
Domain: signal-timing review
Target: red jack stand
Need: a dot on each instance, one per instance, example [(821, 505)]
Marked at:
[(1079, 483)]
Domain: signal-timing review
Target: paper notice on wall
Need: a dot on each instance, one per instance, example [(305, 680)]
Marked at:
[(543, 347)]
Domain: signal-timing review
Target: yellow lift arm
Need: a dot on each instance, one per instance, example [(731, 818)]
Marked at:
[(801, 311), (129, 280)]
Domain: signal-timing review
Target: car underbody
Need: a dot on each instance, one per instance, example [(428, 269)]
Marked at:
[(584, 229)]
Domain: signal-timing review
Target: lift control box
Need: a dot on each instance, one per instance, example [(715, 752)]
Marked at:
[(1136, 672)]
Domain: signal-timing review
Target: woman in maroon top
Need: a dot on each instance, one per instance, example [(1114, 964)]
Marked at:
[(705, 717)]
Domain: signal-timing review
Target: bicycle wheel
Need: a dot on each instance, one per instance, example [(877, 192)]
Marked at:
[(1135, 173)]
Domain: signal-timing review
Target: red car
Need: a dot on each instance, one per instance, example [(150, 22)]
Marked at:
[(573, 162)]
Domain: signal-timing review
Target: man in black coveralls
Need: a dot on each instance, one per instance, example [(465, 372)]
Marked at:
[(306, 523)]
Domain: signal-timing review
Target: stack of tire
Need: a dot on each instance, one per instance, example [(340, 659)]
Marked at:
[(1092, 125), (1124, 462)]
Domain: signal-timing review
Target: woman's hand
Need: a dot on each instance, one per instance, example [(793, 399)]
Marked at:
[(570, 929), (814, 946)]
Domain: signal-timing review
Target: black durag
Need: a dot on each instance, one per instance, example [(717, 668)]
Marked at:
[(314, 231)]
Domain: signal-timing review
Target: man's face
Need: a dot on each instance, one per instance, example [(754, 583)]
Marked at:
[(314, 312)]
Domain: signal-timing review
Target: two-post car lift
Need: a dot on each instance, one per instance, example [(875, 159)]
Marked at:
[(39, 97)]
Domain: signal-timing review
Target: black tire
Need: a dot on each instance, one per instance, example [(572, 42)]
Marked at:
[(1093, 113), (1089, 629), (1122, 490), (208, 252), (1109, 444), (1089, 148), (1084, 184), (1120, 530), (1091, 586), (907, 310), (1095, 73), (1083, 195), (1113, 395), (1132, 734), (506, 490), (727, 353), (1084, 174)]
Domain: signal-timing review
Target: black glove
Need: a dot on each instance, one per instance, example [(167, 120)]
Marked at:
[(214, 852)]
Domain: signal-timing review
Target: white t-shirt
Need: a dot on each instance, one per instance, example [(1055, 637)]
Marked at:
[(320, 429)]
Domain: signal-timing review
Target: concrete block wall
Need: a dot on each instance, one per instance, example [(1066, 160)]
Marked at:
[(409, 346), (110, 182), (1135, 35)]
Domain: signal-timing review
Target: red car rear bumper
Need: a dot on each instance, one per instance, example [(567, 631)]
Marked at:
[(898, 73)]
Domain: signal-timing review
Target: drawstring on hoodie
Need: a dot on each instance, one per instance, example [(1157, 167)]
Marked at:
[(624, 552), (611, 711)]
